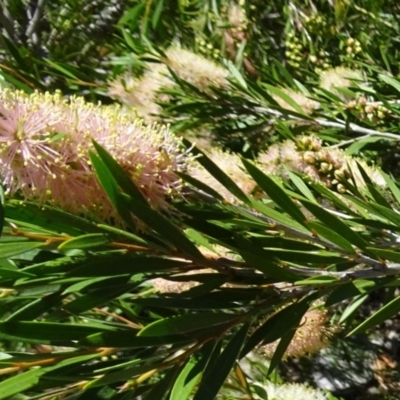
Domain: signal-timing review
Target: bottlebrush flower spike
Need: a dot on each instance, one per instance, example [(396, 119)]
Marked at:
[(294, 391), (44, 152), (143, 93)]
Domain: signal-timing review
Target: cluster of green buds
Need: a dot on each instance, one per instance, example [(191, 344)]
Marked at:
[(320, 61), (329, 166), (235, 27), (294, 50), (207, 49), (370, 110), (325, 163), (352, 47), (315, 23)]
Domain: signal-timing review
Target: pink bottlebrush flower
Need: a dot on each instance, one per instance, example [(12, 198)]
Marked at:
[(26, 128), (44, 152)]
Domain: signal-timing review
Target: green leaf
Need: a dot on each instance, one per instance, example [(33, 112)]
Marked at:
[(373, 189), (103, 264), (279, 217), (279, 352), (390, 81), (127, 339), (279, 324), (236, 74), (39, 332), (119, 174), (165, 228), (318, 280), (85, 242), (188, 304), (65, 70), (336, 224), (341, 293), (161, 389), (200, 185), (191, 374), (383, 314), (332, 236), (132, 15), (37, 307), (216, 374), (353, 307), (285, 97), (392, 186), (48, 219), (385, 254), (94, 283), (217, 173), (186, 323), (97, 297), (19, 383), (157, 13), (301, 186), (275, 192), (11, 249), (8, 273), (331, 196), (360, 144), (132, 201), (2, 210), (109, 184), (263, 261)]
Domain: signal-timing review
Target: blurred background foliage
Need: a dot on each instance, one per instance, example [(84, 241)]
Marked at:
[(308, 84)]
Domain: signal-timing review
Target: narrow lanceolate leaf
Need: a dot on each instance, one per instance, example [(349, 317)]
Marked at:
[(389, 255), (185, 324), (191, 374), (263, 261), (387, 311), (165, 228), (217, 173), (331, 235), (110, 186), (318, 280), (373, 189), (200, 185), (353, 307), (278, 217), (285, 97), (216, 374), (283, 344), (85, 242), (279, 324), (37, 332), (2, 211), (19, 383), (11, 249), (161, 389), (47, 219), (29, 379), (335, 224), (275, 192), (119, 174), (37, 307), (300, 185), (392, 186), (127, 200)]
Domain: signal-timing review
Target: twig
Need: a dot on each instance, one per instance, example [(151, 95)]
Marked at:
[(33, 25), (333, 124), (6, 20)]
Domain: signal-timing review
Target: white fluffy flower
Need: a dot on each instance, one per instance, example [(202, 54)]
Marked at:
[(293, 391)]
